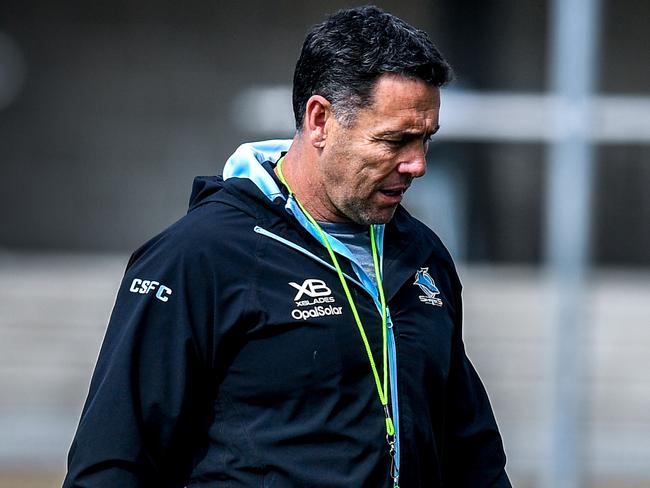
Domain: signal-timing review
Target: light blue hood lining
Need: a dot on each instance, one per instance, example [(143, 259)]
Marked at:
[(246, 162)]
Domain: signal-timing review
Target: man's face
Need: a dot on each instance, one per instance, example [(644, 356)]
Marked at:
[(366, 167)]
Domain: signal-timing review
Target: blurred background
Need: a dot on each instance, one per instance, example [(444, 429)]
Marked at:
[(538, 182)]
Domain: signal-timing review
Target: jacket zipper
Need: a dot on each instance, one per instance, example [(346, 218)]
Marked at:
[(392, 375)]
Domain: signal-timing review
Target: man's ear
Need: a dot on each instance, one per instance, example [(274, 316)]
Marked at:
[(317, 112)]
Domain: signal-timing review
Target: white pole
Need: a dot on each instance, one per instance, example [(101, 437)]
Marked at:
[(568, 199)]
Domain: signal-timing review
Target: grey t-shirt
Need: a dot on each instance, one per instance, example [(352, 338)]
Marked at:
[(357, 238)]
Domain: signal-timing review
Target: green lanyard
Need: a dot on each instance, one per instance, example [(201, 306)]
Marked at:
[(382, 390)]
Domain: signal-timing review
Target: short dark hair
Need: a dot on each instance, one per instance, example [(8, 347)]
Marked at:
[(342, 58)]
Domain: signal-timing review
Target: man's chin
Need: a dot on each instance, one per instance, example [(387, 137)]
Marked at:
[(374, 216)]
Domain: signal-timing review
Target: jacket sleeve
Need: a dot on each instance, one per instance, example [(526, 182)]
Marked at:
[(474, 454), (151, 389)]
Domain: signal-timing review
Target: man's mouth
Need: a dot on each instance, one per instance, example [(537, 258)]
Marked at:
[(393, 192)]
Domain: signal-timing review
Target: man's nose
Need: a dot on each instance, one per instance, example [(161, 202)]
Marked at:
[(414, 162)]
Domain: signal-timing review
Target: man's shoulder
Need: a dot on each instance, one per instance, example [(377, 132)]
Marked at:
[(215, 230)]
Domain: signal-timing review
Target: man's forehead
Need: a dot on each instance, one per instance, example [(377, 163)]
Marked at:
[(393, 91), (402, 104)]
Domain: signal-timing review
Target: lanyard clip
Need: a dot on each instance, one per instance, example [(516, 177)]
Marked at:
[(390, 439), (394, 471)]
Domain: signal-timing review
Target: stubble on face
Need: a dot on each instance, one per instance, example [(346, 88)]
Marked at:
[(349, 189)]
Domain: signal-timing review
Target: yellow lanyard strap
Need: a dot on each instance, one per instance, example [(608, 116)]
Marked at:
[(381, 390)]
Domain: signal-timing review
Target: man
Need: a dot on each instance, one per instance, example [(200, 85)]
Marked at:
[(298, 328)]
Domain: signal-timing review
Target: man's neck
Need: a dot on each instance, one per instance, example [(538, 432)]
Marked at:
[(300, 170)]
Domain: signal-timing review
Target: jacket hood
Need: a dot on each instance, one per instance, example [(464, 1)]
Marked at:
[(245, 162)]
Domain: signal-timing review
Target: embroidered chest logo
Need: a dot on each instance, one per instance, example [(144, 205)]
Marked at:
[(424, 280), (317, 292)]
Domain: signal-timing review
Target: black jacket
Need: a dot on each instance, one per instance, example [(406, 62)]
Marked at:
[(206, 379)]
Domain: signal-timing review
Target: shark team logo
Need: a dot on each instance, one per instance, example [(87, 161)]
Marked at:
[(428, 286)]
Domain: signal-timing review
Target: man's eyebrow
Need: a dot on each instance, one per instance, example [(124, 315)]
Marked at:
[(408, 132)]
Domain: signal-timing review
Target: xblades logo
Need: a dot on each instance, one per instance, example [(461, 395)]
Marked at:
[(317, 293), (312, 288)]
